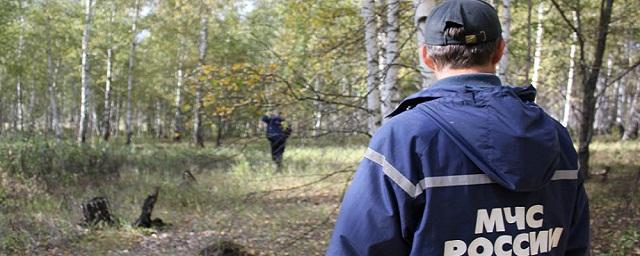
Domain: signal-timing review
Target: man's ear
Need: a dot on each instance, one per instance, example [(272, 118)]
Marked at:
[(499, 52), (425, 59)]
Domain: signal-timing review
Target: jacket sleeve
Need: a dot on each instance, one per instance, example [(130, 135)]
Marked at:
[(370, 220), (579, 235)]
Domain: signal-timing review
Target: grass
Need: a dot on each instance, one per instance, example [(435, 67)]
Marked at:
[(238, 196)]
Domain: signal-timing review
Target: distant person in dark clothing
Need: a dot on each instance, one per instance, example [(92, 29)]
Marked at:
[(277, 132)]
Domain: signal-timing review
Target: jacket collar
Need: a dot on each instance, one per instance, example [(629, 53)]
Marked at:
[(455, 85)]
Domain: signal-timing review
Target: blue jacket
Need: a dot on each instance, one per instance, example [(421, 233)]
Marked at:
[(274, 125), (467, 167)]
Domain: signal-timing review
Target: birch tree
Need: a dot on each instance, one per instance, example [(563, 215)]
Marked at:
[(632, 119), (389, 91), (537, 57), (373, 71), (505, 14), (202, 54), (570, 76), (84, 93), (106, 115), (132, 60), (19, 104), (177, 122), (590, 73)]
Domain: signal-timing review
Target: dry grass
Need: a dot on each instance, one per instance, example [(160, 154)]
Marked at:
[(240, 197)]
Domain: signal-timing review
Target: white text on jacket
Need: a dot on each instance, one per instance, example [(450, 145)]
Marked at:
[(494, 220)]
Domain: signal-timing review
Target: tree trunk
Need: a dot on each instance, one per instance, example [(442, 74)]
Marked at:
[(82, 129), (373, 71), (202, 54), (19, 103), (632, 118), (117, 116), (1, 105), (537, 58), (178, 128), (221, 124), (506, 34), (602, 101), (106, 115), (132, 60), (53, 106), (158, 123), (30, 108), (529, 25), (570, 76), (589, 86), (390, 92)]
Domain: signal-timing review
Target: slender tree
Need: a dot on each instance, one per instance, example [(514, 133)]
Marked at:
[(389, 91), (506, 34), (84, 94), (373, 71), (570, 76), (19, 103), (132, 60), (177, 122), (202, 54), (106, 115), (537, 57)]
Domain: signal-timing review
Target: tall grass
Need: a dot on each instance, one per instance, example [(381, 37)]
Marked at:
[(239, 196)]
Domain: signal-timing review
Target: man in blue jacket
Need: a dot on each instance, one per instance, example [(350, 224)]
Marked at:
[(277, 136), (468, 166)]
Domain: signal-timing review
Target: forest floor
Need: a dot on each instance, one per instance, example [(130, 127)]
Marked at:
[(239, 196)]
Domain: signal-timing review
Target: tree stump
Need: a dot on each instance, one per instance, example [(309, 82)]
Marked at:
[(96, 211), (145, 220), (225, 248)]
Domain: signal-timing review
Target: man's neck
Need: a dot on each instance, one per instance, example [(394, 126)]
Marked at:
[(447, 72)]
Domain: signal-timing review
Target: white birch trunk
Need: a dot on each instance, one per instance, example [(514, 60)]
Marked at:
[(632, 118), (158, 123), (32, 101), (569, 95), (106, 115), (132, 60), (178, 128), (318, 108), (505, 14), (84, 93), (52, 72), (53, 106), (202, 53), (19, 103), (537, 57), (373, 69), (389, 92), (1, 105)]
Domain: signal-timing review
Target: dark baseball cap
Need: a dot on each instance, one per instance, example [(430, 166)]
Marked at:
[(479, 19)]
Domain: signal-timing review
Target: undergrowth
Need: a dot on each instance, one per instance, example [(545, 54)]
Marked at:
[(238, 195)]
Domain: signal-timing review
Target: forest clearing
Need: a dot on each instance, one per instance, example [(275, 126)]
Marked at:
[(238, 197), (143, 127)]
